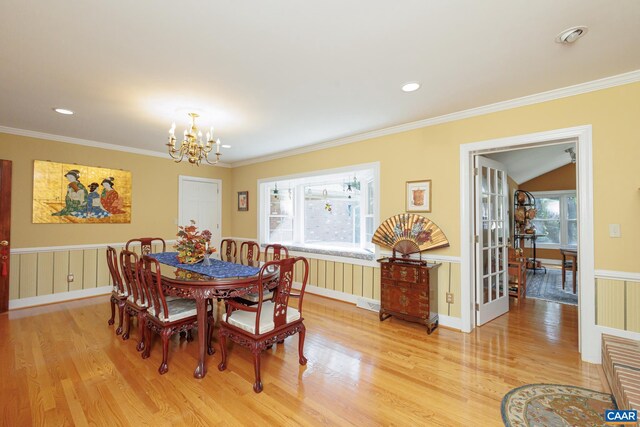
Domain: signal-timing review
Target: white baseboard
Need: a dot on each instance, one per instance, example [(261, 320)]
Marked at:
[(550, 261), (450, 322), (63, 296)]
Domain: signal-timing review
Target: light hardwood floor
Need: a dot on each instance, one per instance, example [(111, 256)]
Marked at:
[(63, 365)]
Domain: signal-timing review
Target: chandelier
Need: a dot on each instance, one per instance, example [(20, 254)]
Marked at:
[(193, 147)]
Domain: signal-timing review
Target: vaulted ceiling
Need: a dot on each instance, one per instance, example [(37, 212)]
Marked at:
[(272, 76)]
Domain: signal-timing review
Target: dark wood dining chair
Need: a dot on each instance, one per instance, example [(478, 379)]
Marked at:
[(251, 253), (517, 271), (252, 256), (259, 327), (146, 244), (569, 262), (118, 291), (136, 304), (228, 250), (166, 316), (276, 252)]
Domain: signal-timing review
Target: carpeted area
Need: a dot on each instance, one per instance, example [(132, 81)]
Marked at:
[(548, 286), (555, 405)]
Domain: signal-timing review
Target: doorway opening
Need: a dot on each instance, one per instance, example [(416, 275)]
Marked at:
[(589, 343)]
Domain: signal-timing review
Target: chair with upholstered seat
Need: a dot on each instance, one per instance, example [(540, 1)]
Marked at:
[(166, 316), (118, 291), (275, 252), (146, 244), (259, 327), (251, 254), (228, 250), (136, 303)]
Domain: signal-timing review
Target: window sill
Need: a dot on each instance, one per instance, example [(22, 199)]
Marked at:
[(554, 246), (344, 253)]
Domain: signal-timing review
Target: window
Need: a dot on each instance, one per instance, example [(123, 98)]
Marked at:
[(556, 217), (332, 210)]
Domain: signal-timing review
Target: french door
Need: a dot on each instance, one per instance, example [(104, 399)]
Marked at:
[(5, 232), (492, 233)]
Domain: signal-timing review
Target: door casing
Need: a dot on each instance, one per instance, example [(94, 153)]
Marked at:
[(589, 334)]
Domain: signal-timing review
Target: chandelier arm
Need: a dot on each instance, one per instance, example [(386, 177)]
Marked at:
[(215, 162)]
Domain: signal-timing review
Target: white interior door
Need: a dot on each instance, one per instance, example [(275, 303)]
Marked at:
[(492, 233), (200, 200)]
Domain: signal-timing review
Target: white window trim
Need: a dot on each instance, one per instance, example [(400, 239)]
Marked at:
[(263, 193), (564, 235)]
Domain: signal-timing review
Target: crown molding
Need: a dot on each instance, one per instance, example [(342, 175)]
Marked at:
[(604, 83), (592, 86), (90, 143)]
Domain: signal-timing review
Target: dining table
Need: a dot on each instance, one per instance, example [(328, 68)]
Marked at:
[(232, 278)]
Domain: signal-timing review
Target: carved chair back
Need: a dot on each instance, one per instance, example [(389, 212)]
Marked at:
[(129, 264), (252, 251), (149, 272), (278, 251), (228, 249), (114, 271), (282, 291), (146, 244)]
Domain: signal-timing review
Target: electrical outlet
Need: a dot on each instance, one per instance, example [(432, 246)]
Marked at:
[(614, 230), (70, 277), (449, 298)]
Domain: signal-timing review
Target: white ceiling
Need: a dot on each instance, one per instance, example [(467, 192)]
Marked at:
[(280, 74), (525, 164)]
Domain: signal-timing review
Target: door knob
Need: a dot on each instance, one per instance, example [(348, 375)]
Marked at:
[(4, 243)]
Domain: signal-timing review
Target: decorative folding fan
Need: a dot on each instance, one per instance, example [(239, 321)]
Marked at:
[(409, 233)]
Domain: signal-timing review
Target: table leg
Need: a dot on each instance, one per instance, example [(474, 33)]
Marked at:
[(573, 272), (564, 269), (201, 309)]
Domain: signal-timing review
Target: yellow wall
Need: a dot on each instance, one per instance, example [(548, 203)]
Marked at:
[(433, 153), (563, 178), (154, 193)]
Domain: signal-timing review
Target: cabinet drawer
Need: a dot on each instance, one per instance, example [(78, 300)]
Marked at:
[(403, 273), (405, 298)]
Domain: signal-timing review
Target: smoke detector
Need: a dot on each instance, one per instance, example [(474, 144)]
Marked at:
[(570, 35)]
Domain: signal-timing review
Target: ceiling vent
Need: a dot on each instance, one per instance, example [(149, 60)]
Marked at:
[(570, 35)]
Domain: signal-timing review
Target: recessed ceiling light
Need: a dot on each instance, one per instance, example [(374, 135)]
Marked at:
[(226, 146), (63, 111), (572, 34), (411, 87)]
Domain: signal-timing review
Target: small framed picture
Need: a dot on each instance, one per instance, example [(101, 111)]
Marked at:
[(243, 200), (419, 196)]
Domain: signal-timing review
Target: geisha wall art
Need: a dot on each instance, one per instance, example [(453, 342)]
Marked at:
[(68, 193)]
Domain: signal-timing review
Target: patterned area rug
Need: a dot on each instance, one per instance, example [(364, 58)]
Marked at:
[(547, 405), (549, 286)]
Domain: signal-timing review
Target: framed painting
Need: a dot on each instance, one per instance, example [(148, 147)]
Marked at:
[(66, 193), (243, 200), (418, 196)]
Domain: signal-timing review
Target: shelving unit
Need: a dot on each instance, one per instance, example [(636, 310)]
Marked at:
[(523, 212)]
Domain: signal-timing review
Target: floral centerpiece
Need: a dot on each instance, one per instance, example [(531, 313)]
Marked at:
[(192, 245)]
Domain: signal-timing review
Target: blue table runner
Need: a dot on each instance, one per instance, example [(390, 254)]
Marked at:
[(218, 269)]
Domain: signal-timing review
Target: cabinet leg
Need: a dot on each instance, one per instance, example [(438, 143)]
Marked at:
[(383, 315)]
